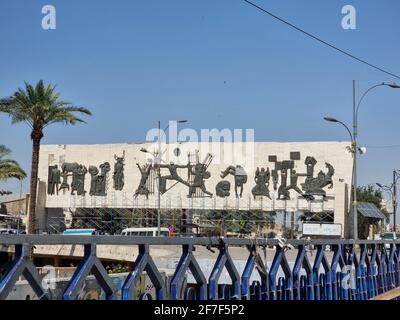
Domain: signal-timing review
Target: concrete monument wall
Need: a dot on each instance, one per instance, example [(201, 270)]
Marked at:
[(270, 176)]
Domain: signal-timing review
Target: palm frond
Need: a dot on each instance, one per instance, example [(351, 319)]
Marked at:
[(11, 171), (9, 168), (39, 106), (4, 151)]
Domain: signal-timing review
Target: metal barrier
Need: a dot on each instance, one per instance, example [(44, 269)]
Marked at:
[(357, 270)]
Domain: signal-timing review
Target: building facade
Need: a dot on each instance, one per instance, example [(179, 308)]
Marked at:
[(263, 176)]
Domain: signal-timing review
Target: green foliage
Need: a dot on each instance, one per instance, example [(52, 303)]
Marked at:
[(9, 168), (287, 233), (117, 268), (372, 195), (40, 106), (242, 222)]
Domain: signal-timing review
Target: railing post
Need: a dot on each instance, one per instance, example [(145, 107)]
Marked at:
[(187, 261), (224, 260), (397, 264), (361, 273), (21, 265), (254, 261), (89, 263), (143, 262), (372, 273)]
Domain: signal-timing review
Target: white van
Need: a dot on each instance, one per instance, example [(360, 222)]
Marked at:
[(145, 232)]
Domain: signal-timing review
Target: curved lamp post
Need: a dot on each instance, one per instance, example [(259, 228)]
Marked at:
[(354, 148)]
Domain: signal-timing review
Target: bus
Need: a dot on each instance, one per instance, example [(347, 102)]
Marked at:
[(145, 232)]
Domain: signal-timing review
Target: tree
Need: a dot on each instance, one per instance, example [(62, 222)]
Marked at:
[(372, 195), (39, 107), (9, 168)]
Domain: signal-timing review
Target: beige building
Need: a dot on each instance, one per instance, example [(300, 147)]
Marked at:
[(267, 176), (14, 205)]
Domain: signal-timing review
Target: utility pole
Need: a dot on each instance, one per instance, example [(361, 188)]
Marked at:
[(393, 192), (157, 155), (20, 206), (354, 146), (159, 180), (394, 201)]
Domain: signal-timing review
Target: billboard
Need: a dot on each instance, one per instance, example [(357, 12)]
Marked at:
[(322, 229)]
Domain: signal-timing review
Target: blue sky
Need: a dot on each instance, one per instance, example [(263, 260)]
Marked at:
[(218, 63)]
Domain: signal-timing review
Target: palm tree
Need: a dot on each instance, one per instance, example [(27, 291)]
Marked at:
[(38, 107), (9, 168)]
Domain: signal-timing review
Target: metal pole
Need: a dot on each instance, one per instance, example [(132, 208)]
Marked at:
[(355, 212), (292, 225), (20, 206), (394, 202), (284, 223), (159, 176)]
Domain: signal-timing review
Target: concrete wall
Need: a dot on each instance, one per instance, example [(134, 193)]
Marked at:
[(14, 203), (249, 155)]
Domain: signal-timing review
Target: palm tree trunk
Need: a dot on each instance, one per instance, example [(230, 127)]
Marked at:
[(34, 182)]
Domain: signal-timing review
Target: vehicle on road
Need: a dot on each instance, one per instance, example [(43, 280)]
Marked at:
[(145, 232), (80, 232)]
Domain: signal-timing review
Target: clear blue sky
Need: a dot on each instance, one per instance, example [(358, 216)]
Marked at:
[(218, 63)]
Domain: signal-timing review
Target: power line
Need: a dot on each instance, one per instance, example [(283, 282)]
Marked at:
[(322, 41)]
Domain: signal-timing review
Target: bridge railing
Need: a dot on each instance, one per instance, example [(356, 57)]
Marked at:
[(337, 270)]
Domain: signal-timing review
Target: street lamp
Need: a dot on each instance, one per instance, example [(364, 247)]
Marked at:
[(353, 179), (354, 148), (393, 191), (331, 119), (157, 158)]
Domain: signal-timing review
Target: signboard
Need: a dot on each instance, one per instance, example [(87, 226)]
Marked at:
[(322, 229)]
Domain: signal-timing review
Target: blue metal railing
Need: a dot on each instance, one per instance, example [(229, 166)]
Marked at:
[(355, 271)]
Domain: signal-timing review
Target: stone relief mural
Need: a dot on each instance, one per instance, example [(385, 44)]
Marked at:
[(54, 180), (240, 177), (98, 183), (77, 172), (314, 186), (196, 175), (281, 176), (144, 188), (118, 175), (262, 183), (222, 189), (78, 180)]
